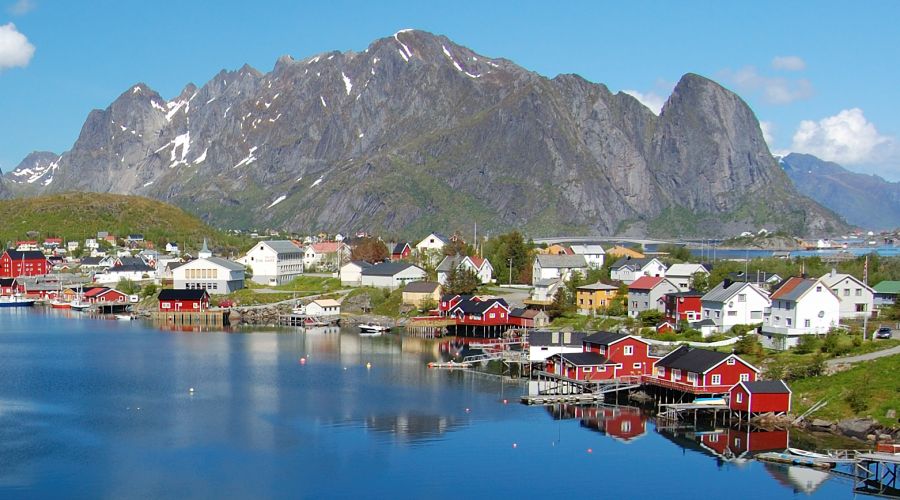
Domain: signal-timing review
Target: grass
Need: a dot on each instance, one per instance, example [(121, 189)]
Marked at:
[(583, 323), (867, 389), (76, 216), (248, 297), (381, 301), (316, 284)]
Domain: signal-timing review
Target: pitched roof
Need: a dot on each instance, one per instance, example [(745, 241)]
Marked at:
[(91, 261), (7, 281), (449, 262), (360, 264), (631, 261), (584, 358), (561, 261), (282, 246), (130, 268), (645, 283), (888, 287), (766, 387), (387, 269), (544, 338), (326, 302), (521, 312), (692, 359), (588, 249), (471, 306), (793, 288), (327, 246), (421, 287), (25, 255), (686, 269), (598, 286), (688, 293), (832, 279), (727, 289), (753, 276), (173, 294), (478, 261), (227, 264), (399, 247), (604, 338)]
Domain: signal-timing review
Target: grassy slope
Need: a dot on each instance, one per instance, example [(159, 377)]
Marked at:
[(76, 216)]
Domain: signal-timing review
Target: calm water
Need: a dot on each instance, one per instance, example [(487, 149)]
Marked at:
[(96, 408)]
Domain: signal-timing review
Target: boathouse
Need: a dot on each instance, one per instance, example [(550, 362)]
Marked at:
[(171, 300), (481, 315), (761, 396), (104, 295), (630, 354), (15, 263), (700, 371), (9, 286), (581, 366)]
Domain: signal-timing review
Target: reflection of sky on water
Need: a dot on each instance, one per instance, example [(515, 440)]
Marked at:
[(95, 408)]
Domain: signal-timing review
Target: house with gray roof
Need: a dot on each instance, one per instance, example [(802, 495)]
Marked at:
[(629, 269), (559, 267), (800, 306), (857, 298), (733, 303), (213, 274), (274, 262), (392, 275)]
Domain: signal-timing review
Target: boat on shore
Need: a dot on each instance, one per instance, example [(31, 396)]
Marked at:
[(15, 301)]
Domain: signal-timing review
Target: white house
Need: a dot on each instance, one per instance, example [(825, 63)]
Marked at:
[(682, 275), (326, 254), (213, 274), (434, 241), (131, 271), (557, 267), (478, 265), (629, 269), (733, 303), (593, 254), (323, 308), (351, 272), (172, 248), (544, 291), (274, 262), (857, 298), (800, 306), (392, 275)]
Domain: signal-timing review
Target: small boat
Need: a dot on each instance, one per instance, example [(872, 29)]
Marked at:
[(59, 304), (78, 305), (124, 317), (15, 301), (373, 328), (808, 454)]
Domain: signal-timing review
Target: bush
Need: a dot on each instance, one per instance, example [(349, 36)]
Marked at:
[(749, 345), (807, 344), (650, 317), (858, 401)]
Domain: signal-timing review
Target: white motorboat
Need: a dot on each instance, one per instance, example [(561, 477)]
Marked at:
[(373, 328)]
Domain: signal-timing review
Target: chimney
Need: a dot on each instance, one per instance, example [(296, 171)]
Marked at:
[(727, 283), (833, 272)]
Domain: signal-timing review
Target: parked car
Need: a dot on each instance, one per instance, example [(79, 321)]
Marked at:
[(883, 333)]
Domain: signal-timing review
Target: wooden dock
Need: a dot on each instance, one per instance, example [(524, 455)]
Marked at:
[(215, 318), (450, 365)]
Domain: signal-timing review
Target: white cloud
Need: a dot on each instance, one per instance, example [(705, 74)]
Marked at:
[(650, 99), (788, 63), (775, 90), (767, 128), (849, 139), (15, 50)]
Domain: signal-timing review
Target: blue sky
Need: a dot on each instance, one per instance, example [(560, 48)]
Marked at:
[(821, 76)]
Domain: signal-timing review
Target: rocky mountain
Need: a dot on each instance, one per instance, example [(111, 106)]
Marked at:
[(865, 200), (417, 132)]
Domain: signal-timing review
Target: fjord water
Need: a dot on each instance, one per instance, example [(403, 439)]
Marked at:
[(96, 408)]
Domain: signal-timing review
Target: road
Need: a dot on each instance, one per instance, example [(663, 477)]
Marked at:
[(865, 357)]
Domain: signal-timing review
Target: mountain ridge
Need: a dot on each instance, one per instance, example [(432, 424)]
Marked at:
[(418, 132)]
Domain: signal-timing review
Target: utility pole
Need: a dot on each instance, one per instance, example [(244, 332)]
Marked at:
[(510, 271)]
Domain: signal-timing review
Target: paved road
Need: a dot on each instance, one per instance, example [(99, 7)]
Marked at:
[(864, 357)]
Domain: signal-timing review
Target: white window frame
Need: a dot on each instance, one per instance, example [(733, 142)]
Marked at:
[(730, 362), (637, 365), (676, 374), (739, 397), (715, 380), (660, 371), (587, 369), (745, 377), (629, 350)]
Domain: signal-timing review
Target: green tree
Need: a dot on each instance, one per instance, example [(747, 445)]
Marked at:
[(127, 286), (676, 253), (149, 290), (461, 281), (650, 317), (700, 282), (506, 248)]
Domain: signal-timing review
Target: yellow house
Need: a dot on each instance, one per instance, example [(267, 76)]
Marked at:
[(418, 293), (593, 298), (555, 249), (619, 251)]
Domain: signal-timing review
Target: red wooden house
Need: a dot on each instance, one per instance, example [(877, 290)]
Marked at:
[(761, 396), (14, 263), (10, 286), (401, 251), (700, 371), (104, 295), (449, 301), (581, 366), (477, 312), (683, 306), (171, 300), (628, 355)]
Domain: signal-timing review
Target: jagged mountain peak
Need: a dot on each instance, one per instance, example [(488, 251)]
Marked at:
[(416, 132)]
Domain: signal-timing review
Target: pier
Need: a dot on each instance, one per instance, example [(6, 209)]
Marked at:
[(218, 318)]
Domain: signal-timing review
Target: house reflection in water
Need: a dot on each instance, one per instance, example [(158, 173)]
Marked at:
[(800, 479), (413, 428), (623, 423), (735, 446)]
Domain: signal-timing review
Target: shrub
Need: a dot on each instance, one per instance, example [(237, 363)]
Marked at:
[(807, 344), (749, 345)]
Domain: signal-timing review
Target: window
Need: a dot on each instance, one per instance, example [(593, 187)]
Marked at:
[(730, 362), (788, 321), (492, 315), (626, 426), (806, 323), (587, 369), (742, 297), (745, 377), (166, 305), (706, 313), (692, 377), (636, 366), (716, 379), (660, 371), (601, 368), (739, 397), (629, 350), (859, 292), (846, 292), (732, 314), (818, 288), (718, 313), (861, 307), (836, 291), (676, 374)]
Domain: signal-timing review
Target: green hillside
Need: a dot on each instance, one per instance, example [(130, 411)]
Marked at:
[(76, 216)]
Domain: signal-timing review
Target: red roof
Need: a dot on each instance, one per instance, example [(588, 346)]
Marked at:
[(788, 285), (93, 292), (645, 283), (478, 261), (327, 246)]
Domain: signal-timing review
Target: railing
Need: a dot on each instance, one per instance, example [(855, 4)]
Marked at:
[(686, 387)]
